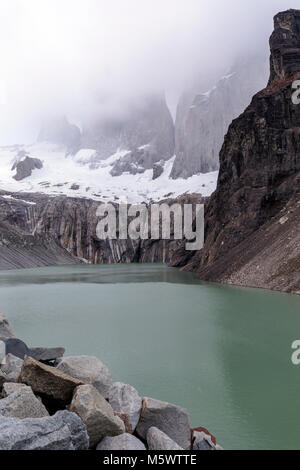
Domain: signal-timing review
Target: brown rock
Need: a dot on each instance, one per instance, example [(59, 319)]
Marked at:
[(126, 420), (47, 380)]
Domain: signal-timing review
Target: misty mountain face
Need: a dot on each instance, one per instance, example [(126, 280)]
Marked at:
[(203, 119), (60, 132), (145, 131)]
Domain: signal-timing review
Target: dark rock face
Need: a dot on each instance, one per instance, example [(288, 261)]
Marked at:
[(59, 131), (25, 167), (146, 130), (250, 235), (202, 119), (16, 347)]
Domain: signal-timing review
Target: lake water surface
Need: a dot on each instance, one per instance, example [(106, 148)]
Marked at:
[(224, 353)]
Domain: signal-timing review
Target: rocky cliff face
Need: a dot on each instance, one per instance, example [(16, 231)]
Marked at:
[(37, 230), (202, 119), (252, 220), (145, 130)]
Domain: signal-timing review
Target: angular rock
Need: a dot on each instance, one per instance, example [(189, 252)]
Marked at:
[(122, 442), (5, 329), (96, 413), (16, 347), (203, 440), (48, 381), (11, 366), (89, 370), (12, 387), (124, 398), (63, 431), (46, 354), (171, 419), (158, 440), (22, 404)]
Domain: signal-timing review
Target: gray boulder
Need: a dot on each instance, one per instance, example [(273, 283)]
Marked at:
[(16, 347), (171, 419), (96, 414), (63, 431), (123, 442), (25, 167), (124, 398), (158, 440), (3, 379), (11, 366), (89, 370), (12, 387), (22, 404), (46, 354), (5, 329)]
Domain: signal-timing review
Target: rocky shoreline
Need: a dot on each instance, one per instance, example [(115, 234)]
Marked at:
[(52, 402)]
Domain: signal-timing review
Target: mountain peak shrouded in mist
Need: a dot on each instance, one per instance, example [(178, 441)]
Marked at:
[(58, 130), (59, 56)]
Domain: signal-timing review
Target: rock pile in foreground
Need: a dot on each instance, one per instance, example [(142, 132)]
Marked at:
[(48, 402)]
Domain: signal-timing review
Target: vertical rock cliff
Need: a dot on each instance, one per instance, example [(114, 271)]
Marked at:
[(252, 227), (203, 119)]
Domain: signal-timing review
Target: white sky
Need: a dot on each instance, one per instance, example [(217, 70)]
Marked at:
[(57, 55)]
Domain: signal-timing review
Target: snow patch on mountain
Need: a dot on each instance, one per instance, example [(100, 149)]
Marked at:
[(75, 176)]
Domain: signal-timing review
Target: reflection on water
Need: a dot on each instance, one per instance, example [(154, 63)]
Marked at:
[(221, 352)]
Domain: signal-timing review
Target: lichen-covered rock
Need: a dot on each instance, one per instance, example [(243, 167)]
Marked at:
[(171, 419), (96, 413), (48, 381), (22, 404), (63, 431), (124, 398), (11, 366), (89, 370), (158, 440), (123, 442), (5, 329), (12, 387)]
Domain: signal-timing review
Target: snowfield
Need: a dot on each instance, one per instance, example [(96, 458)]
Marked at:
[(75, 176)]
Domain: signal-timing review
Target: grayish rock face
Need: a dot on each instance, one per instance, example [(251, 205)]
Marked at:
[(25, 167), (158, 440), (3, 379), (12, 387), (89, 370), (22, 404), (124, 398), (11, 367), (96, 413), (63, 431), (171, 419), (5, 329), (16, 347), (60, 132), (123, 442), (203, 119), (146, 130), (46, 354)]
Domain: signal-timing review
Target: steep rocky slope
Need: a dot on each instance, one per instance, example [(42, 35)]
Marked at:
[(203, 118), (252, 221)]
